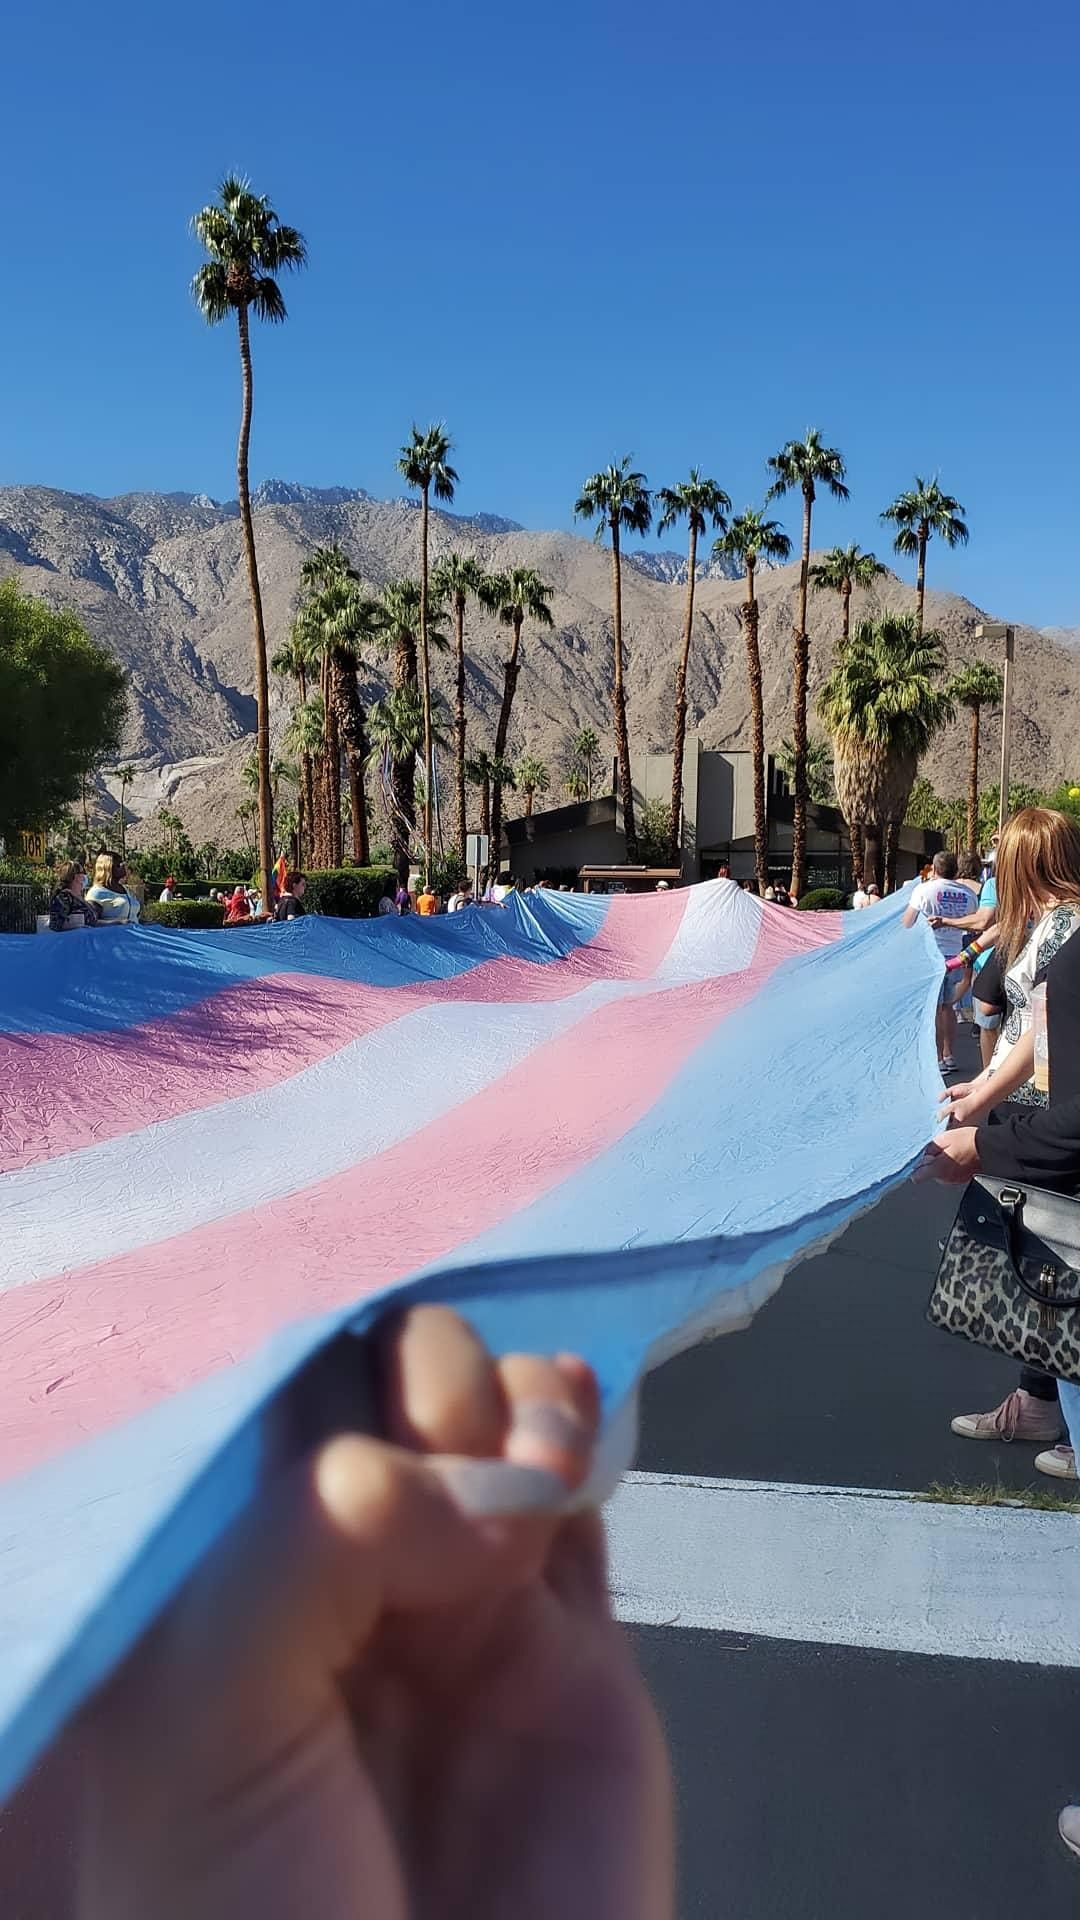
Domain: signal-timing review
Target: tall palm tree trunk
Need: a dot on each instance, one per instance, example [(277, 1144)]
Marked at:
[(973, 781), (675, 828), (350, 722), (459, 721), (425, 656), (307, 808), (872, 860), (920, 579), (262, 677), (855, 835), (892, 849), (502, 731), (530, 796), (800, 684), (618, 702), (332, 850), (845, 629), (757, 732)]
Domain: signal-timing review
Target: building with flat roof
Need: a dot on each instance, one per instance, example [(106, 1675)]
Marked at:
[(718, 826)]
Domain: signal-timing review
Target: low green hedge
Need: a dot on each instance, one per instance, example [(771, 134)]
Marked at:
[(822, 900), (183, 913), (347, 893)]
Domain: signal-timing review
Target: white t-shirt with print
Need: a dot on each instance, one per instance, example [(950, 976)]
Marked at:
[(947, 900)]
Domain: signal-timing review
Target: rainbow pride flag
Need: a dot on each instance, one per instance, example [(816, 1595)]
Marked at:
[(610, 1124)]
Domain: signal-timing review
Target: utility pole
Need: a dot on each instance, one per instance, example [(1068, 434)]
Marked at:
[(997, 630)]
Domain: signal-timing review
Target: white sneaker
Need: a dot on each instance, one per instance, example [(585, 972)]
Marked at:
[(1059, 1461), (948, 1064), (1069, 1828)]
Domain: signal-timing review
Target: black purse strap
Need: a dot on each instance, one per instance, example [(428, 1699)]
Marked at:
[(1011, 1207)]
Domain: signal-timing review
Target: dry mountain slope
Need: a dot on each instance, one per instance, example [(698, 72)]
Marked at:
[(160, 578)]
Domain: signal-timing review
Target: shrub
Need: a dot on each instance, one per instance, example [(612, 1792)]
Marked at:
[(347, 893), (183, 913), (448, 871), (822, 900)]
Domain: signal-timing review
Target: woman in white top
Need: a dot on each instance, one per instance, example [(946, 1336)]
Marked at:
[(1038, 882), (116, 904)]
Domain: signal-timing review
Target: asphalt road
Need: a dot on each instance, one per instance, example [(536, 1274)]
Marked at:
[(820, 1782), (839, 1783), (841, 1380)]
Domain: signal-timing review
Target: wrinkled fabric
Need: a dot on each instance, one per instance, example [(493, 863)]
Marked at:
[(607, 1124)]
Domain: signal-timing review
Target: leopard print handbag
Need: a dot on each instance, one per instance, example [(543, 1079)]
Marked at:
[(1009, 1275)]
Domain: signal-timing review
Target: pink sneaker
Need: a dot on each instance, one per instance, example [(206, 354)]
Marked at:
[(1059, 1461), (1020, 1417)]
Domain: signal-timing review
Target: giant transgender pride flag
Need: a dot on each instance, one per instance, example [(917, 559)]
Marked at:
[(607, 1124)]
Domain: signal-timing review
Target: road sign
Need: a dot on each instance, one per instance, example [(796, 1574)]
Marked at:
[(476, 850)]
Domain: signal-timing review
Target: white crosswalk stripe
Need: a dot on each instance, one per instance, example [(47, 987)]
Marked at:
[(846, 1567)]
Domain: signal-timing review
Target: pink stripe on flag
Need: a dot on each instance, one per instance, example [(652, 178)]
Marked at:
[(61, 1092), (93, 1347)]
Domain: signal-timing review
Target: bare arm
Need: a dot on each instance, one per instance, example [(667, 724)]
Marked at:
[(971, 922), (977, 1099)]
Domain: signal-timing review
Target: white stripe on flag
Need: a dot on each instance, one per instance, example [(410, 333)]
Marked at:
[(141, 1188)]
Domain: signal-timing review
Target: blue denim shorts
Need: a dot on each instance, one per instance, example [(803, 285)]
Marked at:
[(986, 1018)]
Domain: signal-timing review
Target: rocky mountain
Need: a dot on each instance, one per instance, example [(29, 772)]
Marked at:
[(671, 569), (160, 578)]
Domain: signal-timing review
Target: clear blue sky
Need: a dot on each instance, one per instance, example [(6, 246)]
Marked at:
[(571, 231)]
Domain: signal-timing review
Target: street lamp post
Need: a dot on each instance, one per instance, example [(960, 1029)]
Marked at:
[(997, 630)]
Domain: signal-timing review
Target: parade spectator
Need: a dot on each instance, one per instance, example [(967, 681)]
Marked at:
[(873, 893), (1038, 876), (290, 905), (860, 899), (116, 905), (986, 987), (386, 900), (427, 900), (67, 908), (168, 892), (402, 901), (237, 909), (942, 897)]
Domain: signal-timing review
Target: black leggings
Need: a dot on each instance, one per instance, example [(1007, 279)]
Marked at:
[(1041, 1386)]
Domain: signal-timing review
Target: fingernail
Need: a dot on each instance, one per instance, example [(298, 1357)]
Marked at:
[(545, 1435), (488, 1487)]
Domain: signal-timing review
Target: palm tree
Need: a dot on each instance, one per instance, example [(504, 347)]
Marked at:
[(248, 245), (883, 705), (586, 752), (918, 515), (304, 739), (458, 578), (333, 626), (423, 464), (975, 687), (515, 596), (125, 775), (396, 730), (840, 571), (397, 619), (802, 466), (819, 769), (701, 501), (531, 777), (618, 498), (486, 770), (577, 782), (752, 541)]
